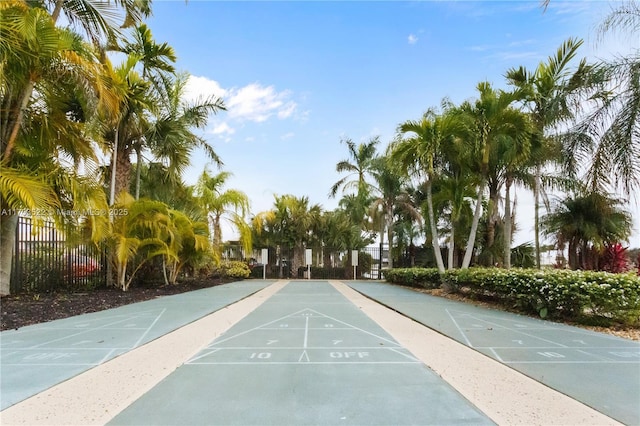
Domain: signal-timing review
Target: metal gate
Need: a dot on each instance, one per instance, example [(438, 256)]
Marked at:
[(44, 261)]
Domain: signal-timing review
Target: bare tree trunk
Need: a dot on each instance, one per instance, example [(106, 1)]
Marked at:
[(466, 261), (17, 123), (7, 244), (138, 171), (434, 230), (114, 166), (123, 175), (452, 244), (536, 220), (492, 218), (507, 224), (389, 223)]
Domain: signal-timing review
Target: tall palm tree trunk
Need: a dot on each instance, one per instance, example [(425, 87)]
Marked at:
[(123, 174), (536, 220), (17, 122), (466, 261), (138, 171), (7, 242), (507, 223), (389, 225), (217, 238), (452, 244), (492, 218), (434, 231)]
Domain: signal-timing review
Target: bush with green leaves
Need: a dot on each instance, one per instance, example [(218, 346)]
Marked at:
[(414, 277), (582, 296), (232, 269)]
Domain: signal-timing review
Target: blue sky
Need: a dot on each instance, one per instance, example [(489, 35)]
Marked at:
[(297, 77)]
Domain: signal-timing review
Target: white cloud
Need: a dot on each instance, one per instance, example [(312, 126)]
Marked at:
[(287, 110), (203, 87), (412, 39), (222, 129), (250, 103), (258, 103)]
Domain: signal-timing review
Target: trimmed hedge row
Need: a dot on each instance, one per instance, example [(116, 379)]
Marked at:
[(582, 296)]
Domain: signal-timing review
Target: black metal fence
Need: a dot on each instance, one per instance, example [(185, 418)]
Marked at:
[(43, 260), (280, 263)]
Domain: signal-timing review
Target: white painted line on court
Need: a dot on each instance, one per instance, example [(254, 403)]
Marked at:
[(256, 328), (357, 328), (464, 336), (107, 356), (598, 356), (306, 332), (476, 376), (403, 354), (192, 360), (493, 351), (519, 332), (304, 357), (137, 343), (84, 331), (99, 394)]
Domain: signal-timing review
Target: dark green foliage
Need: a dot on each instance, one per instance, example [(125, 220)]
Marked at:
[(581, 296), (414, 277)]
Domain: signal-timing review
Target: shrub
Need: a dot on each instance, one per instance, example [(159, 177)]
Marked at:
[(614, 259), (414, 277), (232, 269), (581, 296)]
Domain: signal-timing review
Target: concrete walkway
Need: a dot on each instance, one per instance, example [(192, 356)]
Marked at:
[(304, 352)]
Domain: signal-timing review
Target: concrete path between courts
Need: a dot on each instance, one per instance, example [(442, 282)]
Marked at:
[(297, 353)]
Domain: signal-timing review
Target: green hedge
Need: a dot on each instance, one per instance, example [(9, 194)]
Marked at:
[(582, 296), (414, 277)]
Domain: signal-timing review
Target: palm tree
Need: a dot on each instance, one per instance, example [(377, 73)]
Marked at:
[(587, 222), (358, 166), (96, 22), (230, 204), (453, 192), (157, 60), (43, 139), (420, 155), (548, 92), (389, 195), (171, 137), (488, 121), (129, 125), (514, 154), (189, 246), (609, 136), (144, 232)]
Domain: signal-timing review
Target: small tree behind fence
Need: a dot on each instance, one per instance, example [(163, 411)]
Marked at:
[(43, 260)]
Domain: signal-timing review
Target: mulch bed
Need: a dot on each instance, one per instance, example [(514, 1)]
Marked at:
[(25, 309)]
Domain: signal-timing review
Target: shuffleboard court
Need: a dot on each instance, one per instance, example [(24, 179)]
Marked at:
[(307, 355), (598, 369), (36, 357)]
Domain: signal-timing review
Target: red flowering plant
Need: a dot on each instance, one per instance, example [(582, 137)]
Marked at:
[(614, 259)]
